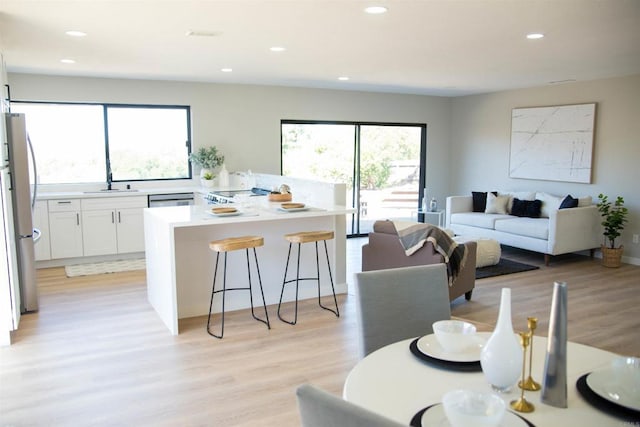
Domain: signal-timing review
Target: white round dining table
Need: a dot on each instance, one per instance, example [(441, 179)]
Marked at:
[(394, 382)]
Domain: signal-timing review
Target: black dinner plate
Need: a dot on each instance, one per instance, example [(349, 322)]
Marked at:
[(604, 405), (416, 421), (458, 366)]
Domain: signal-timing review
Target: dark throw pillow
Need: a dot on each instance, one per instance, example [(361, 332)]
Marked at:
[(517, 209), (480, 200), (568, 202), (533, 208), (526, 208)]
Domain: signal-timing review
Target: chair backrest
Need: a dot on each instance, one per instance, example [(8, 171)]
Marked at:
[(399, 303), (321, 409)]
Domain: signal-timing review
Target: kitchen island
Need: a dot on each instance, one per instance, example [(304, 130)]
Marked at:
[(180, 264)]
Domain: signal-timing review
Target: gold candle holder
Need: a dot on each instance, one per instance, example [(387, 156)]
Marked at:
[(522, 404), (530, 384)]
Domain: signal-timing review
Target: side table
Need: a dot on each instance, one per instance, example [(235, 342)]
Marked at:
[(435, 218)]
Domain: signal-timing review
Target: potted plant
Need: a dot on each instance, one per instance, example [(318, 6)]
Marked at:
[(207, 179), (615, 216), (207, 158)]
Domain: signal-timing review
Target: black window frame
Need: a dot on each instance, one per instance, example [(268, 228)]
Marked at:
[(105, 106)]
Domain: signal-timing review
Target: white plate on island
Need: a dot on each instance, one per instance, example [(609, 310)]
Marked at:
[(281, 209), (223, 214)]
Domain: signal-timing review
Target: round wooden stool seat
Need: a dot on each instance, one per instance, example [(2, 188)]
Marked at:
[(235, 243), (309, 236)]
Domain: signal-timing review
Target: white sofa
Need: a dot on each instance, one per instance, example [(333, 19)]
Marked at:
[(555, 232)]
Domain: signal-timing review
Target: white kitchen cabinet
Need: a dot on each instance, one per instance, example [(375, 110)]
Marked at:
[(41, 222), (113, 225), (130, 230), (99, 232), (65, 228)]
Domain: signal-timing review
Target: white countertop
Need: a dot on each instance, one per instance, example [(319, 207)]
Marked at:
[(54, 195), (188, 216)]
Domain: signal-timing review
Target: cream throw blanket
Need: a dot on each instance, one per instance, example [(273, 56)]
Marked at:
[(414, 235)]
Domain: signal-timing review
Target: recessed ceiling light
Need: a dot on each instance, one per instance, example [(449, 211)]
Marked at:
[(375, 10), (343, 78), (535, 36), (226, 70), (67, 61), (75, 33), (277, 49), (201, 33)]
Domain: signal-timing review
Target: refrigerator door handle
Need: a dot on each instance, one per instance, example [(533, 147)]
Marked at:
[(35, 173)]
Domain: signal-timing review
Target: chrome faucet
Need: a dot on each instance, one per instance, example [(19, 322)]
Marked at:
[(109, 177)]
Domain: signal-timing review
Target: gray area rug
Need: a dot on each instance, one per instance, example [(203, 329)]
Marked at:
[(505, 266)]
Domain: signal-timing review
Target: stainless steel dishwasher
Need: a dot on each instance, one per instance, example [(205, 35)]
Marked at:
[(171, 199)]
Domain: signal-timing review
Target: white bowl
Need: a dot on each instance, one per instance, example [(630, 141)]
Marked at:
[(469, 408), (454, 335)]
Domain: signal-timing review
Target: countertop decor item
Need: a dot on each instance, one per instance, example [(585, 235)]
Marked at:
[(522, 404), (501, 357), (614, 216), (554, 381), (530, 384), (208, 158)]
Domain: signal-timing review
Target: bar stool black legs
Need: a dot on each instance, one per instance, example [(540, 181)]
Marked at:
[(229, 245), (300, 238)]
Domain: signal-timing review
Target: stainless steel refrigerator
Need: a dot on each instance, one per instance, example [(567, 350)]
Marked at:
[(18, 196)]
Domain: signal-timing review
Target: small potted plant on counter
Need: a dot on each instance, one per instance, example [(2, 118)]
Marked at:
[(208, 159), (615, 216), (207, 179)]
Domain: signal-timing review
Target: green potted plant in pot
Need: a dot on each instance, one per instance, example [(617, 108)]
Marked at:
[(614, 216), (207, 179), (208, 158)]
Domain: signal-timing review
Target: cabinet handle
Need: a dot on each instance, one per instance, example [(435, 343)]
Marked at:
[(78, 219), (119, 220), (112, 218), (66, 202)]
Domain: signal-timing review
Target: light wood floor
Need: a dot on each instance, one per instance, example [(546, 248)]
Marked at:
[(97, 354)]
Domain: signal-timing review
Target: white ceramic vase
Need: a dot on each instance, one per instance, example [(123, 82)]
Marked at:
[(501, 357)]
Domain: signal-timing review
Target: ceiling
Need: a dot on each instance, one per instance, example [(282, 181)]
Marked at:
[(432, 47)]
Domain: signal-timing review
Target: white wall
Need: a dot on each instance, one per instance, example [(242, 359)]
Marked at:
[(481, 132), (243, 121)]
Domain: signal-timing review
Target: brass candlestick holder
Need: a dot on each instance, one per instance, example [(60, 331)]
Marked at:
[(522, 404), (530, 384)]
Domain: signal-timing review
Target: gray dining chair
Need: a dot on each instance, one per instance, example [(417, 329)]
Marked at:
[(321, 409), (399, 303)]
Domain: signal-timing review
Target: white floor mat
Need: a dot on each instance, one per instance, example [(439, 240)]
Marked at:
[(105, 267)]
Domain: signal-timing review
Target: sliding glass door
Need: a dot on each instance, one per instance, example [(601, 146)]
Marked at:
[(383, 162)]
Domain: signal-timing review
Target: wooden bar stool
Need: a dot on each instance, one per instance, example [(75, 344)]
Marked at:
[(300, 238), (234, 244)]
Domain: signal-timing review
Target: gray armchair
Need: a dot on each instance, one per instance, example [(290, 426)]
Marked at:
[(384, 250)]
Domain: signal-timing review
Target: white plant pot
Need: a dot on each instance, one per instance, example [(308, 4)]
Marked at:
[(207, 183)]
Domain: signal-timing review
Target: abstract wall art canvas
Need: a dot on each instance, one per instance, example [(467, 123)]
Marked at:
[(552, 143)]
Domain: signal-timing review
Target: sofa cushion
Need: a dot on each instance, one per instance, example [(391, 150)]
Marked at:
[(531, 227), (568, 202), (528, 208), (480, 200), (496, 204), (477, 219), (549, 203), (522, 195), (585, 201)]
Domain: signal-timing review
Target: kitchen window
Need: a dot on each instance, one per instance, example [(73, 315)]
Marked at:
[(81, 143)]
